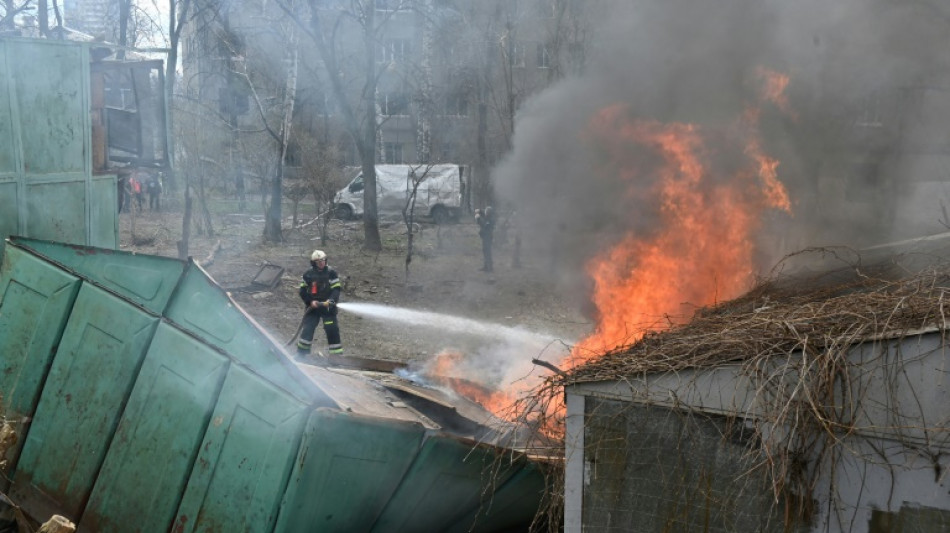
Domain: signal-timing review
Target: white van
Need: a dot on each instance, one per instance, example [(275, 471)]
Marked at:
[(441, 195)]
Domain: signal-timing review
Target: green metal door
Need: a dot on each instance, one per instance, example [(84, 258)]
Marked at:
[(245, 460), (348, 467), (85, 392), (35, 301), (447, 481), (158, 437)]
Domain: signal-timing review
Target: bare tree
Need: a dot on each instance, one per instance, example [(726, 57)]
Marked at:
[(361, 116), (417, 174), (9, 9)]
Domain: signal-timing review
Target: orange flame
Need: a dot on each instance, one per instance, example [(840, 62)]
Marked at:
[(445, 368), (703, 251), (772, 87)]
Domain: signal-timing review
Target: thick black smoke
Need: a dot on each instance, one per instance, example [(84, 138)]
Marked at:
[(859, 153)]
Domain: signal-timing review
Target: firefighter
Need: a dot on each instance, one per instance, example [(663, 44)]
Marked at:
[(320, 291)]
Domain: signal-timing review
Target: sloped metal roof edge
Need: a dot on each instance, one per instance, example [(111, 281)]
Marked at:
[(315, 396)]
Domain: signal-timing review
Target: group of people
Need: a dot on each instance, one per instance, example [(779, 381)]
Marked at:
[(136, 186)]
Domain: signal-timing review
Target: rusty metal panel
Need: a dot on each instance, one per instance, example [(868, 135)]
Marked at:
[(50, 92), (155, 445), (56, 210), (245, 460), (103, 212), (35, 301), (447, 481), (147, 280), (83, 397), (203, 308), (347, 468)]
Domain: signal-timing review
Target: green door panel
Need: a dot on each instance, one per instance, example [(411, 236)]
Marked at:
[(158, 437), (51, 96), (245, 458), (204, 309), (57, 211), (8, 139), (510, 507), (9, 222), (103, 212), (446, 482), (147, 280), (82, 400), (35, 301), (348, 467)]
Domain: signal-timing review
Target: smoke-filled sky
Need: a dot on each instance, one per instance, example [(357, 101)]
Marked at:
[(858, 146)]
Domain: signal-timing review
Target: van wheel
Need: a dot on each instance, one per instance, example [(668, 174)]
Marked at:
[(440, 215), (343, 212)]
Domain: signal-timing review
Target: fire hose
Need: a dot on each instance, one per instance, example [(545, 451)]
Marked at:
[(302, 320)]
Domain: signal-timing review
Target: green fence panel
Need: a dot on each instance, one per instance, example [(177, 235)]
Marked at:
[(82, 400), (9, 138), (510, 508), (245, 458), (9, 221), (103, 212), (448, 480), (155, 445), (57, 210), (35, 301), (51, 93), (47, 190), (147, 280), (348, 467), (203, 308)]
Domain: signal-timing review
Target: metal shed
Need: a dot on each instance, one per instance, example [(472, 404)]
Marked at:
[(142, 394)]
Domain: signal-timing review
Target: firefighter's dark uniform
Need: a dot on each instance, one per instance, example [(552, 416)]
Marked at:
[(320, 285)]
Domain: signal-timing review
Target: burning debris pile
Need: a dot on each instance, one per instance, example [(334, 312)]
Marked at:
[(819, 315)]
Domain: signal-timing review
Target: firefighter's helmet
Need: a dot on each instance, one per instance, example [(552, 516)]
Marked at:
[(318, 255)]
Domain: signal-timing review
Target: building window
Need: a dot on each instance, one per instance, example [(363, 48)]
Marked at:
[(392, 153), (544, 57), (869, 115), (516, 54), (394, 104), (448, 151), (456, 104), (395, 51)]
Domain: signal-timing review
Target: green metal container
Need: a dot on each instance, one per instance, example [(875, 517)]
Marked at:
[(158, 405), (347, 468), (446, 482), (245, 458), (155, 446)]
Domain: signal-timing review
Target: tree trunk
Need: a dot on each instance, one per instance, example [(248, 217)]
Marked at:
[(371, 238), (272, 229)]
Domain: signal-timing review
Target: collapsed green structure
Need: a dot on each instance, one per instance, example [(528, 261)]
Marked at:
[(144, 398)]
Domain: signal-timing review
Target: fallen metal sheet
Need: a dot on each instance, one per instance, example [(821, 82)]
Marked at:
[(268, 276)]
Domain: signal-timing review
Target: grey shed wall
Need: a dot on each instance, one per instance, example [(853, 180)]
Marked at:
[(658, 469)]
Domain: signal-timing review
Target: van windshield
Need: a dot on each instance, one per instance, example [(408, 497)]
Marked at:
[(357, 184)]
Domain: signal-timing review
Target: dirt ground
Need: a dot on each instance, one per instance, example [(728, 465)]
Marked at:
[(444, 277)]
